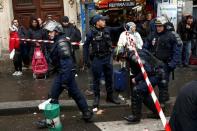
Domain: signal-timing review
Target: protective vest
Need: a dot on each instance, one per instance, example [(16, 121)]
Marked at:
[(101, 43), (150, 62), (60, 50), (164, 46), (64, 49)]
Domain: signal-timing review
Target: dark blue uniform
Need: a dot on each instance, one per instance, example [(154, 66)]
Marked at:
[(65, 79), (166, 47), (184, 116), (140, 92), (101, 44)]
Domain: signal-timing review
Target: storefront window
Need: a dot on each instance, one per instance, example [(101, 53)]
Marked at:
[(195, 2)]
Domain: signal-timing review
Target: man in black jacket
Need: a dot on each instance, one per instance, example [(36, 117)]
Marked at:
[(73, 33), (186, 31)]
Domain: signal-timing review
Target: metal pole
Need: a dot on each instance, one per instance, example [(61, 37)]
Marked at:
[(82, 22), (87, 16)]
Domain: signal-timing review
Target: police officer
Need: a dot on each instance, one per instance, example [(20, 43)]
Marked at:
[(184, 117), (140, 92), (62, 60), (100, 40), (153, 68), (165, 46)]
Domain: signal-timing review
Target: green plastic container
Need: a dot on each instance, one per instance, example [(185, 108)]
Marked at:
[(52, 113)]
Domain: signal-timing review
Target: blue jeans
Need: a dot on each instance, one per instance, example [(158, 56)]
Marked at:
[(186, 52)]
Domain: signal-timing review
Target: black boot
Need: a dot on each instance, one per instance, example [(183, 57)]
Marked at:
[(148, 101), (87, 116), (163, 95), (96, 101), (42, 124), (136, 108), (111, 99)]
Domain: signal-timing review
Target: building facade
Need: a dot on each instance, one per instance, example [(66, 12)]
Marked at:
[(195, 8)]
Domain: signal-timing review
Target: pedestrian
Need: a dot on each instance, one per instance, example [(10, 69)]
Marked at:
[(24, 50), (65, 78), (35, 32), (40, 22), (72, 33), (164, 45), (184, 117), (139, 27), (14, 45), (48, 18), (186, 31), (131, 30), (101, 51)]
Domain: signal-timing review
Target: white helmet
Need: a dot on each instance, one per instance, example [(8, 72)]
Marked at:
[(161, 20), (53, 26), (130, 25)]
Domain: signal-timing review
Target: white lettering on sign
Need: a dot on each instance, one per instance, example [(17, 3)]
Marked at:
[(121, 4)]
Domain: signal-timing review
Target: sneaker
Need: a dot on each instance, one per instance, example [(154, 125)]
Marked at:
[(19, 73), (15, 73)]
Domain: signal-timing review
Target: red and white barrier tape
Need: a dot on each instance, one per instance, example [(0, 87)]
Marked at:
[(150, 88), (43, 41)]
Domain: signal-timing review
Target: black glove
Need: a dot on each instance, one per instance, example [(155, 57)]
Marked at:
[(171, 66)]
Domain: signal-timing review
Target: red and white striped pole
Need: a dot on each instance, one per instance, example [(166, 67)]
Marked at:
[(150, 88)]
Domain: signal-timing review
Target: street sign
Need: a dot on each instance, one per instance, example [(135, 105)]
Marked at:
[(116, 4), (121, 4)]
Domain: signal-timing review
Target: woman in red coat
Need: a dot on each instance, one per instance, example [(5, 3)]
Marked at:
[(15, 45)]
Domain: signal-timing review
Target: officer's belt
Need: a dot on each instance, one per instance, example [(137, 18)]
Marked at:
[(100, 56)]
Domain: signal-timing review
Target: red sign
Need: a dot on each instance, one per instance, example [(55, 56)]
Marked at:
[(114, 4)]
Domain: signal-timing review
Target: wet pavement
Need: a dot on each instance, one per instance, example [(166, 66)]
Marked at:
[(26, 88), (110, 119)]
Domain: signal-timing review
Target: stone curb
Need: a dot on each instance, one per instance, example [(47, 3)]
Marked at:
[(22, 107)]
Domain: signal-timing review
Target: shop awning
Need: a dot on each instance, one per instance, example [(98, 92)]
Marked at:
[(104, 4)]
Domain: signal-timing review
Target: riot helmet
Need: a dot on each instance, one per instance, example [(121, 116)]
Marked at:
[(130, 25), (53, 26), (161, 20)]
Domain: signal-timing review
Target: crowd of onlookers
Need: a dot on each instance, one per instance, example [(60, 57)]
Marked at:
[(24, 50), (187, 29)]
